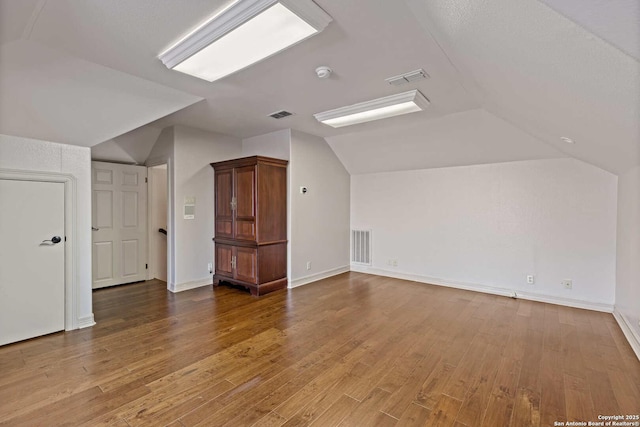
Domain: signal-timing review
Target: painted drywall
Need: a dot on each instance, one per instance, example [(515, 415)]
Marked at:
[(320, 218), (51, 95), (194, 150), (487, 227), (628, 253), (133, 147), (25, 154), (274, 144), (157, 220)]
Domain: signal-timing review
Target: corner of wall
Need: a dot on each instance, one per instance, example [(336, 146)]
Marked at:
[(628, 330)]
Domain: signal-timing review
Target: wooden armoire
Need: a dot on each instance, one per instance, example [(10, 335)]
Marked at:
[(251, 223)]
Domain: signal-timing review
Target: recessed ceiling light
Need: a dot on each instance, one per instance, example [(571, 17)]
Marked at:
[(245, 33), (381, 108), (567, 140)]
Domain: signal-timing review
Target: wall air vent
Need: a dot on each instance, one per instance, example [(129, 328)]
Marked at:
[(280, 114), (409, 77), (361, 247)]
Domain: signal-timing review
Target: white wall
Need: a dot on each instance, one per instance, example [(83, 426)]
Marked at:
[(194, 150), (628, 256), (275, 144), (319, 219), (42, 156), (486, 227)]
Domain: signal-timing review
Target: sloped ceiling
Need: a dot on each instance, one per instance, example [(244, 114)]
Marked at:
[(51, 95), (508, 78), (545, 74), (466, 138), (131, 147)]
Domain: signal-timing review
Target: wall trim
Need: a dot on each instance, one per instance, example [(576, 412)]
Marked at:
[(318, 276), (569, 302), (629, 333), (180, 287), (86, 321), (71, 291)]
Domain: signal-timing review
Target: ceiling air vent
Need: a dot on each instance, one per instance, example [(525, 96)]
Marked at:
[(280, 114), (409, 77)]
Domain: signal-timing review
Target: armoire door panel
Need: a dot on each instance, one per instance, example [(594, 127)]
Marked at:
[(224, 194), (224, 256), (246, 265), (224, 228), (245, 229), (245, 192)]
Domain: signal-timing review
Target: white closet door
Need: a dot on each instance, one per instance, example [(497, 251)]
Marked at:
[(31, 259)]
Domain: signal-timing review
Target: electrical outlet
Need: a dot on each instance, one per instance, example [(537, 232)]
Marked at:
[(568, 284), (530, 279), (210, 267), (308, 265), (395, 263)]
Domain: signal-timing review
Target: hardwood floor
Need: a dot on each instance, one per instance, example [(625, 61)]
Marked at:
[(353, 350)]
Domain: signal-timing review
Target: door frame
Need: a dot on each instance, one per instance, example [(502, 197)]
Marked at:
[(150, 213), (171, 257), (71, 297)]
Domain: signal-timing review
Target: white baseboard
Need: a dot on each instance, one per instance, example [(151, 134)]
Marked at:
[(86, 321), (629, 332), (318, 276), (190, 285), (607, 308)]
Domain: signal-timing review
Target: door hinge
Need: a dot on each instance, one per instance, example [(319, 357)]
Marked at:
[(146, 179), (146, 266)]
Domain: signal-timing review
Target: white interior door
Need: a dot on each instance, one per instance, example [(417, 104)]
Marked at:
[(119, 219), (31, 259)]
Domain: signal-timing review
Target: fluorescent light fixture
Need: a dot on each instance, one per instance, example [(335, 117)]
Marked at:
[(246, 32), (381, 108)]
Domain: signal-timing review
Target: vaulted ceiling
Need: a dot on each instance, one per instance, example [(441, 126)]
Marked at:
[(507, 79)]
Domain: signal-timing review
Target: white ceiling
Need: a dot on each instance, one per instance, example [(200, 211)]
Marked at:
[(466, 138), (132, 147), (508, 78)]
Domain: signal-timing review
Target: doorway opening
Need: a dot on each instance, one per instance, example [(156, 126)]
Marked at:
[(158, 224)]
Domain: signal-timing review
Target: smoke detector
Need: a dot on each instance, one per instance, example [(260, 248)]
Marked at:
[(323, 72)]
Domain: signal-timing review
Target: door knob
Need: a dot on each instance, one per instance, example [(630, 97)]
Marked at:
[(54, 240)]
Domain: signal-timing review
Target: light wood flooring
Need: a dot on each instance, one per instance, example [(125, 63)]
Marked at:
[(353, 350)]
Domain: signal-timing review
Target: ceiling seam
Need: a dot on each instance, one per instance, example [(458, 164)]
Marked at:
[(28, 29), (446, 55), (590, 31)]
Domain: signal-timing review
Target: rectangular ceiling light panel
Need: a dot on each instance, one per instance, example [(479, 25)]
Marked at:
[(381, 108), (243, 34)]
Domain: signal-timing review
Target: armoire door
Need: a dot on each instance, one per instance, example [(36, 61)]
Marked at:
[(224, 260), (224, 207), (246, 268), (245, 206)]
